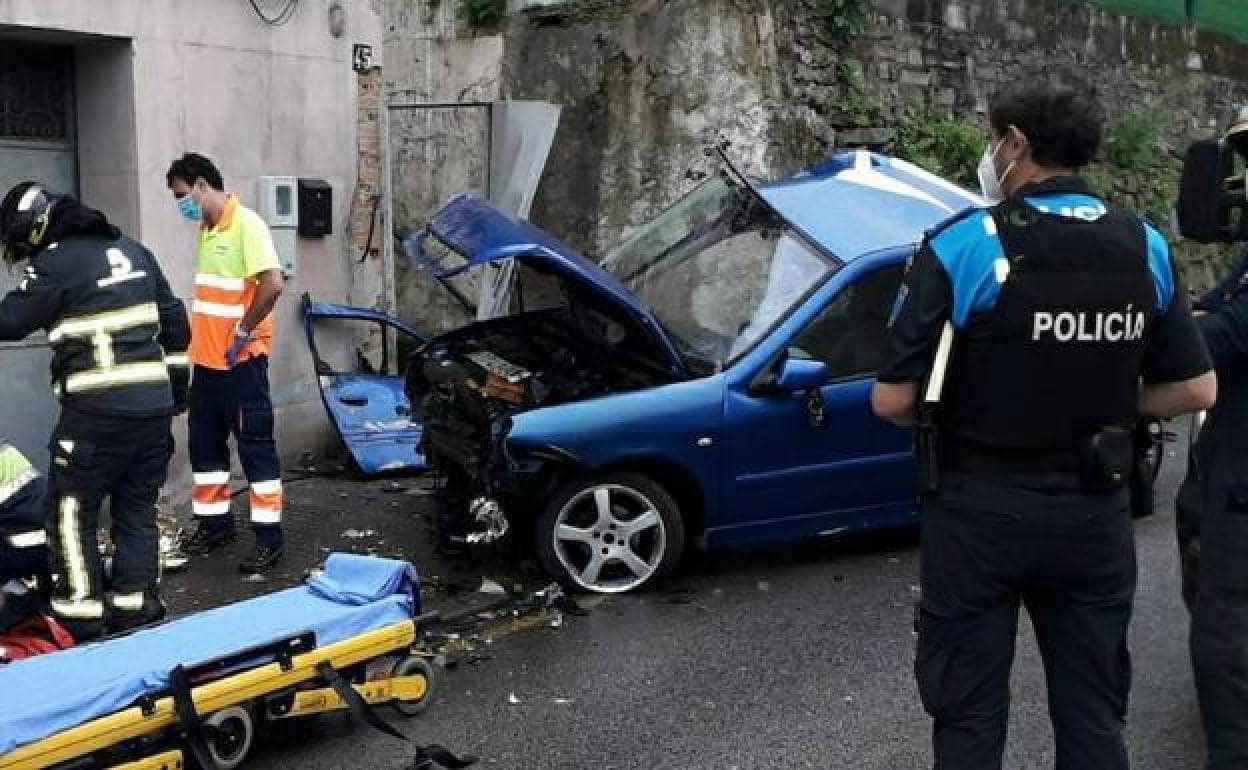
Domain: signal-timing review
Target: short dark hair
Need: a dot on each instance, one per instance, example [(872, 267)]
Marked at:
[(193, 166), (1058, 112)]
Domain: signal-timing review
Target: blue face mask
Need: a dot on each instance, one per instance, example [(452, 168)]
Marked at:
[(189, 208)]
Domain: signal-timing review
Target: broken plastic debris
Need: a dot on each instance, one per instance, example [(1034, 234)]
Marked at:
[(512, 699), (491, 587)]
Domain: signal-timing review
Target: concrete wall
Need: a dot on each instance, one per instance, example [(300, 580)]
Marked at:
[(157, 78)]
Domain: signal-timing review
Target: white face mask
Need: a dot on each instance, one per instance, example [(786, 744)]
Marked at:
[(989, 182)]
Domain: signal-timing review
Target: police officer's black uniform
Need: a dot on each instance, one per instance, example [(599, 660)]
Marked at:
[(119, 338), (1213, 526), (1060, 308)]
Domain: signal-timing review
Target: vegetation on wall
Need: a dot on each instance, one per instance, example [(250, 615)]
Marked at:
[(946, 146), (482, 13), (854, 106), (1138, 173), (842, 19)]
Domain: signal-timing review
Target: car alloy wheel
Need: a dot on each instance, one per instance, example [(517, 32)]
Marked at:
[(611, 535)]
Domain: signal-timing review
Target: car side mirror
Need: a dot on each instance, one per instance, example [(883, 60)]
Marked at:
[(798, 374)]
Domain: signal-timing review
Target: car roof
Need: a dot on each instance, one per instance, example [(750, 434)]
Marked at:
[(859, 202)]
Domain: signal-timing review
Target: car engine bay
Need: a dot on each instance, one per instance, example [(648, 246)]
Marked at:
[(465, 384)]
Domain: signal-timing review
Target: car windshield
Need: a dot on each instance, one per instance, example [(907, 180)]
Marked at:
[(718, 270)]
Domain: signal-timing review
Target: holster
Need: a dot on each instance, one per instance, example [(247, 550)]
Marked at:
[(927, 453), (1108, 457)]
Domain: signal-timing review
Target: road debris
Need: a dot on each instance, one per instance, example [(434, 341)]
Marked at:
[(357, 534), (491, 587)]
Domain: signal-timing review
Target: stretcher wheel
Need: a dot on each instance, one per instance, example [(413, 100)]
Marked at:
[(235, 730), (414, 665)]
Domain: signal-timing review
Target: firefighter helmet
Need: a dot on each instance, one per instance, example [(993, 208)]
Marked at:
[(25, 216)]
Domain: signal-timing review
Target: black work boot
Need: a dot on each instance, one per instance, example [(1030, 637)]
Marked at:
[(268, 551), (121, 621), (208, 538)]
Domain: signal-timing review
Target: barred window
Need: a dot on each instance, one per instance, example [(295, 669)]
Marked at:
[(36, 92)]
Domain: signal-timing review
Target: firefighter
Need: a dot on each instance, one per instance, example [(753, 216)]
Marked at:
[(237, 282), (1068, 322), (120, 370)]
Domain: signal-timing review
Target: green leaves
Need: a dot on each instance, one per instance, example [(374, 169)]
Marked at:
[(482, 13), (945, 146)]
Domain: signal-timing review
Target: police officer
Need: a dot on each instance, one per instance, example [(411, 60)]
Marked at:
[(1067, 324), (1216, 495), (119, 339)]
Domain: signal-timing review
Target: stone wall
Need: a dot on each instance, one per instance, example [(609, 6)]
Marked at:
[(647, 86), (948, 57)]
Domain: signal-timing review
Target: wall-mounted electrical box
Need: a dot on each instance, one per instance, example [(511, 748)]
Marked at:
[(278, 205), (316, 208)]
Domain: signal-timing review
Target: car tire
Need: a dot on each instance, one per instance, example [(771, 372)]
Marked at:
[(610, 533)]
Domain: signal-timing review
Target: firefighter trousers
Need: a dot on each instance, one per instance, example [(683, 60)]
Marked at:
[(234, 403), (991, 544), (124, 459)]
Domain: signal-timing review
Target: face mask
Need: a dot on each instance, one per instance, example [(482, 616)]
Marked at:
[(189, 208), (989, 182)]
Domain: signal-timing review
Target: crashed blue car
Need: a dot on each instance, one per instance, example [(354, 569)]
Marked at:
[(706, 383)]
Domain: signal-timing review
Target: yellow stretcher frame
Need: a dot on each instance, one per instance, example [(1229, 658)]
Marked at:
[(244, 687)]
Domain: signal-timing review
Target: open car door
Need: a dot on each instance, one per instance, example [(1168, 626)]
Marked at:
[(368, 406)]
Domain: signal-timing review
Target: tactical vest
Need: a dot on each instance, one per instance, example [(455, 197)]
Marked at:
[(1058, 358)]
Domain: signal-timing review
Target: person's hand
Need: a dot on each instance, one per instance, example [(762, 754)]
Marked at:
[(241, 338)]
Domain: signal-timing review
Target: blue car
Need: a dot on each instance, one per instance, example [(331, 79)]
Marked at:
[(707, 382)]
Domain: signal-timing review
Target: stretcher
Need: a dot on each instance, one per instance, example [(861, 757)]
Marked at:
[(196, 687)]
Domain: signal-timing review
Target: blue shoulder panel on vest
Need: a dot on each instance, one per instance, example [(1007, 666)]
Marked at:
[(968, 250), (1159, 264)]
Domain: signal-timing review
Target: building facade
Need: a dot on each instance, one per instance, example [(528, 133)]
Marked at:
[(98, 97)]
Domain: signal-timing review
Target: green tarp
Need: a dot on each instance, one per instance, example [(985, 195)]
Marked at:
[(1224, 17), (1174, 11)]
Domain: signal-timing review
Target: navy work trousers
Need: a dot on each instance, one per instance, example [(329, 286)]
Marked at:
[(234, 403), (993, 543)]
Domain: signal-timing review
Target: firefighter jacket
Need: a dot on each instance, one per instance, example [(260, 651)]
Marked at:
[(118, 334)]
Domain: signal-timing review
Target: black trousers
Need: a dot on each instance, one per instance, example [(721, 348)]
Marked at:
[(1219, 635), (93, 457), (991, 544)]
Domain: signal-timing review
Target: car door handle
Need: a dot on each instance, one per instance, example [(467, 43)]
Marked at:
[(354, 400)]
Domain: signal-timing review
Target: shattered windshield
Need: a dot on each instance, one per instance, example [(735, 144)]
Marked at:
[(718, 270)]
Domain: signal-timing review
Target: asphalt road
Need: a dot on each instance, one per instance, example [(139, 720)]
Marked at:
[(799, 658)]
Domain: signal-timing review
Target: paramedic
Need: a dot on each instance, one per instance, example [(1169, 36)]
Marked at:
[(1060, 309), (118, 337), (237, 282)]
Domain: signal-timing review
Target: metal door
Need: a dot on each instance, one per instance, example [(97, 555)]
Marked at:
[(37, 142)]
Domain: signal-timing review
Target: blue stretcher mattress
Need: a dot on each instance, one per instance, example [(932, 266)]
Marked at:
[(42, 696)]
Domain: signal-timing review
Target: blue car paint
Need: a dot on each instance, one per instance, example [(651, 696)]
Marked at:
[(371, 412), (765, 472), (850, 472), (665, 425)]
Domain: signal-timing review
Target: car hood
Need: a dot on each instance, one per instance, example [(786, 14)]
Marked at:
[(480, 233)]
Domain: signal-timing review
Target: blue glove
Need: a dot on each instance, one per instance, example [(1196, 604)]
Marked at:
[(241, 338)]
